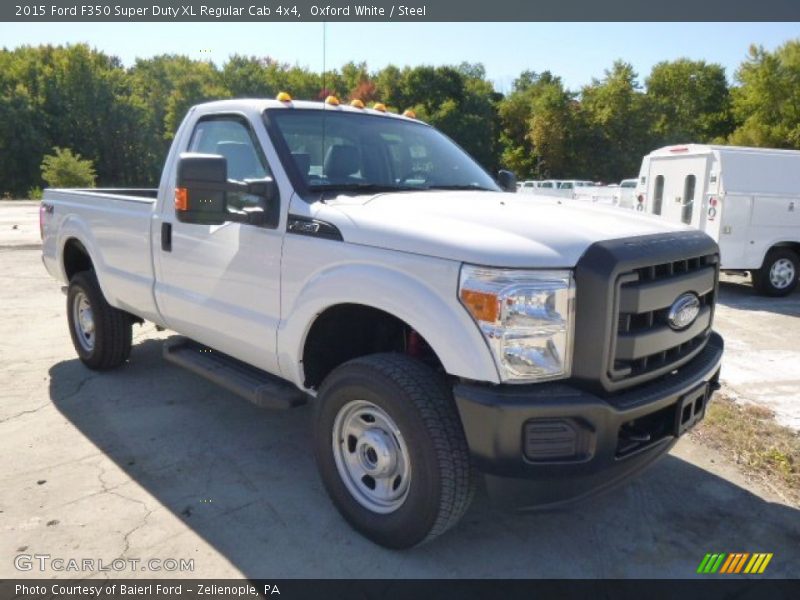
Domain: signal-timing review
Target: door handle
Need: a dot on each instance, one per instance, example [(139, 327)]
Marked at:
[(166, 237)]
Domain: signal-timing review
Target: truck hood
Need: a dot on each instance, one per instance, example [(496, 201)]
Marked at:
[(485, 228)]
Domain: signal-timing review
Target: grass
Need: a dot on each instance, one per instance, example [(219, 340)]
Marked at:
[(751, 437)]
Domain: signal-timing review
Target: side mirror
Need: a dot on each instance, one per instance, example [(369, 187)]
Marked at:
[(202, 192), (268, 213), (507, 181), (201, 185)]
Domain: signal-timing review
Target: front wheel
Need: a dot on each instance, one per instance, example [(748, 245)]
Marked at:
[(778, 275), (391, 450), (100, 333)]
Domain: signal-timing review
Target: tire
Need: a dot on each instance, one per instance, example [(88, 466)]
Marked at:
[(103, 338), (778, 275), (438, 485)]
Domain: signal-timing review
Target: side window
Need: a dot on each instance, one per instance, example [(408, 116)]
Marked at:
[(233, 139), (658, 195), (688, 199)]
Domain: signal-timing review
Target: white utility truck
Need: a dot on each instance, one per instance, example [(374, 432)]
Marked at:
[(441, 327), (747, 199)]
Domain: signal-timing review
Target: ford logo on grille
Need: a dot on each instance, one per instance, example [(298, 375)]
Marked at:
[(684, 311)]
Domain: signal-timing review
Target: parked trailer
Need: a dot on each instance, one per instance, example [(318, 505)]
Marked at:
[(747, 199)]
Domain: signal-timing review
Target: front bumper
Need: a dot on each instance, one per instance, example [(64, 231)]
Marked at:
[(545, 444)]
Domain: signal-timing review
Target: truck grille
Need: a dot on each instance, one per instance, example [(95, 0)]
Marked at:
[(645, 346), (624, 291)]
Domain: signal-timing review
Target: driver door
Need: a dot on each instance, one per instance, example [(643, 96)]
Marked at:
[(219, 284)]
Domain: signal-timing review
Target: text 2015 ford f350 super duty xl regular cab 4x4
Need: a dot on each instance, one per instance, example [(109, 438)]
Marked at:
[(441, 327)]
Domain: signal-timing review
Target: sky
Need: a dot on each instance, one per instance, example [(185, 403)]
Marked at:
[(575, 51)]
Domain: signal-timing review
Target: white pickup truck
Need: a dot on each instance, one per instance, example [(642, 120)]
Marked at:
[(441, 327)]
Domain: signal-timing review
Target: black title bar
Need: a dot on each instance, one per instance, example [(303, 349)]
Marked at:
[(409, 11), (741, 588)]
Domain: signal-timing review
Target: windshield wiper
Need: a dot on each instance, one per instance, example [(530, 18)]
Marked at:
[(361, 187), (470, 186)]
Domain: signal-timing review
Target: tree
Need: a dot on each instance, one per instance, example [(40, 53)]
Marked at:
[(244, 77), (457, 100), (551, 130), (65, 169), (21, 138), (766, 105), (690, 101), (387, 83), (538, 122), (617, 117)]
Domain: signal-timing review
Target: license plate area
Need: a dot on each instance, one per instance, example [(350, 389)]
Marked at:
[(690, 409)]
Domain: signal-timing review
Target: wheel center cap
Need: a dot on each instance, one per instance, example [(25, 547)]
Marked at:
[(86, 320), (376, 453)]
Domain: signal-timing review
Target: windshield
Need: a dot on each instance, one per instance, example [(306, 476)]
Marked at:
[(331, 150)]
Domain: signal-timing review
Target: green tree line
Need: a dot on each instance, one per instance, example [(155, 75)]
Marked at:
[(123, 118)]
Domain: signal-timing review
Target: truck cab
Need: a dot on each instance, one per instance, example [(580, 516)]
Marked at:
[(443, 329)]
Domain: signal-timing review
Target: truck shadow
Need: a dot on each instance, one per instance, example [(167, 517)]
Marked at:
[(741, 295), (244, 480)]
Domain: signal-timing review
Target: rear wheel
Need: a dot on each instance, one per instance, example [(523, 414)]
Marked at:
[(778, 275), (100, 333), (391, 450)]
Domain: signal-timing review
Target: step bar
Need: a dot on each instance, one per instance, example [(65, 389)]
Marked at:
[(257, 386)]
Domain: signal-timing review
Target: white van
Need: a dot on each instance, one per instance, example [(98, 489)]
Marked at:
[(747, 199)]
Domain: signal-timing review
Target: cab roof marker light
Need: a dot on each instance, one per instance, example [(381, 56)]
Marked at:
[(283, 97), (332, 100), (357, 103), (379, 106), (409, 113)]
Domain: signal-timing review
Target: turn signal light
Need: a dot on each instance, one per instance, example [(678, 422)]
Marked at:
[(482, 306), (181, 199)]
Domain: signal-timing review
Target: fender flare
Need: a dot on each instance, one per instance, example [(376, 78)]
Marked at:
[(445, 325)]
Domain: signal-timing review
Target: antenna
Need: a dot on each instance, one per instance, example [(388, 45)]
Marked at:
[(324, 93)]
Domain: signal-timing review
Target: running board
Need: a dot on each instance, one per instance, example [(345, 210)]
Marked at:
[(255, 385)]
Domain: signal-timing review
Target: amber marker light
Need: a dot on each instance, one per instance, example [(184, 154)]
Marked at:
[(482, 306), (181, 199)]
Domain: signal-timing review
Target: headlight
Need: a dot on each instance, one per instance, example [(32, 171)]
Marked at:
[(526, 318)]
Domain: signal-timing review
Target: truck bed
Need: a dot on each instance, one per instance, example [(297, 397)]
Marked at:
[(114, 225)]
